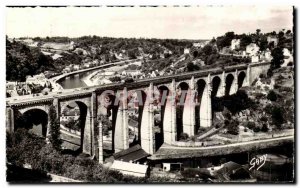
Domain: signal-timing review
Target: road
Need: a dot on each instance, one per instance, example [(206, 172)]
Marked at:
[(229, 145)]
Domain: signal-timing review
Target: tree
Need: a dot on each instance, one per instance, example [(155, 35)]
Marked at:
[(272, 96), (277, 116), (54, 136), (278, 58), (258, 31), (263, 44), (245, 41), (265, 128), (233, 127), (207, 49), (225, 41)]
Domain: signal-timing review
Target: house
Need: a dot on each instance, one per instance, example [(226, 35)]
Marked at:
[(267, 55), (58, 46), (271, 39), (38, 79), (133, 154), (252, 49), (167, 167), (255, 59), (154, 74), (186, 51), (132, 169), (132, 73), (288, 57), (231, 171), (66, 70), (235, 44), (86, 65), (56, 56), (10, 86), (30, 42), (76, 67)]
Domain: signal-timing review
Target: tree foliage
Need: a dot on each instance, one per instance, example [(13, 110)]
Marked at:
[(22, 61), (54, 131), (278, 58)]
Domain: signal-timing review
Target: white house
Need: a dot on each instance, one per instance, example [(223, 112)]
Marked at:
[(252, 49), (288, 57), (132, 73), (76, 67), (254, 59), (272, 39), (186, 51), (128, 168), (235, 44), (39, 79), (56, 56)]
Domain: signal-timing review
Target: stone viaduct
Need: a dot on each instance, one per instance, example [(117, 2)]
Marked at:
[(200, 87)]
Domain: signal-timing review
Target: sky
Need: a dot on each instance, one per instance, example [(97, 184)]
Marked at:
[(202, 22)]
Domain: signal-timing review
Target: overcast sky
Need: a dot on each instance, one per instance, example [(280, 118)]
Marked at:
[(202, 22)]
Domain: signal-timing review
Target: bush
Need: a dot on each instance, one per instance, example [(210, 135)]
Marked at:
[(261, 75), (184, 136), (268, 109), (201, 130), (264, 119), (277, 116), (24, 148), (272, 96), (256, 129), (250, 125), (193, 138), (258, 96), (270, 73), (233, 127), (265, 128)]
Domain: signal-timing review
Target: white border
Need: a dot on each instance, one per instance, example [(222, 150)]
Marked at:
[(4, 3)]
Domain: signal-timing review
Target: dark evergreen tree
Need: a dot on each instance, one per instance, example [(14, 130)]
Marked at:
[(54, 131)]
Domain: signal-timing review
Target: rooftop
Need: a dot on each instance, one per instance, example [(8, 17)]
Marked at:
[(133, 154)]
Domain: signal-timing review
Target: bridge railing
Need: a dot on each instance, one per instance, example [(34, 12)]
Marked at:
[(139, 83)]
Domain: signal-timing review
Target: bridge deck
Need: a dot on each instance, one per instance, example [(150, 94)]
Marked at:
[(86, 91)]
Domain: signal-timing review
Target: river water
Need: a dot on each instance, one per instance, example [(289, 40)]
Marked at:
[(75, 81)]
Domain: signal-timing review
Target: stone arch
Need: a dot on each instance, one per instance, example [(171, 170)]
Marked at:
[(241, 79), (228, 83), (74, 118), (165, 112), (108, 111), (136, 101), (40, 107), (33, 119), (201, 86), (181, 97), (216, 86)]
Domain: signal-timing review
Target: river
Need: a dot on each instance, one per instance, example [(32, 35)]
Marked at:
[(75, 81)]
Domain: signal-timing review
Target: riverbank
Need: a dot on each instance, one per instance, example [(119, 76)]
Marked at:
[(100, 77)]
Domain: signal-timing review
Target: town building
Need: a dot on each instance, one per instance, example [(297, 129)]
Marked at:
[(288, 57), (186, 51), (133, 154), (132, 169), (235, 44), (132, 73), (39, 79), (271, 39), (252, 49)]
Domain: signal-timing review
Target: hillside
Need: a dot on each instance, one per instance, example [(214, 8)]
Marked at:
[(22, 60)]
